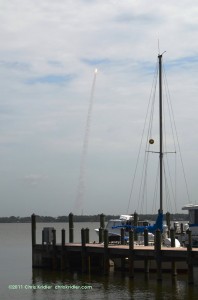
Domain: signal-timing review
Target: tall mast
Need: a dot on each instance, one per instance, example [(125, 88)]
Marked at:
[(160, 133)]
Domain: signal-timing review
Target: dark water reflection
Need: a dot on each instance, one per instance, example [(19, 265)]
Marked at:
[(114, 286)]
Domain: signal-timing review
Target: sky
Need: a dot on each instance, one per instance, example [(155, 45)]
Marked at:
[(49, 51)]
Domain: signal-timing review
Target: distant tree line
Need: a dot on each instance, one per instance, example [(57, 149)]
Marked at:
[(85, 218)]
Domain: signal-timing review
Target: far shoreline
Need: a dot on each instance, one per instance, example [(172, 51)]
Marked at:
[(85, 218)]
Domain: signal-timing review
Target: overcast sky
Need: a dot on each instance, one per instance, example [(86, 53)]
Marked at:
[(48, 53)]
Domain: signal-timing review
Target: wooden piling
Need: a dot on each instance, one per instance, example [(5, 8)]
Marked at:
[(83, 242), (83, 253), (172, 237), (54, 258), (122, 233), (131, 254), (63, 256), (54, 238), (43, 238), (182, 228), (102, 221), (87, 235), (158, 254), (168, 222), (33, 230), (106, 256), (146, 242), (173, 263), (71, 228), (135, 224), (101, 235), (189, 258), (189, 233), (145, 237), (63, 238), (33, 223)]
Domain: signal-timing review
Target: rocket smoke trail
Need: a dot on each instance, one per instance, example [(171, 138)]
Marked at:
[(81, 183)]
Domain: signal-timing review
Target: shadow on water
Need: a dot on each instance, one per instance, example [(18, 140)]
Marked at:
[(75, 285)]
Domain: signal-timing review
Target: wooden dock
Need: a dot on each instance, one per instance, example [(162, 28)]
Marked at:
[(90, 257)]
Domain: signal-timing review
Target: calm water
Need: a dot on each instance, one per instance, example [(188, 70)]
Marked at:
[(16, 269)]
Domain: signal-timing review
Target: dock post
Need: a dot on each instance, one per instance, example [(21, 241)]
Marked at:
[(131, 254), (43, 238), (62, 249), (106, 256), (102, 221), (182, 228), (122, 233), (101, 235), (122, 241), (146, 242), (189, 240), (33, 219), (135, 224), (33, 229), (158, 254), (71, 228), (190, 263), (84, 258), (172, 237), (63, 238), (87, 235), (54, 237), (145, 237), (168, 222), (54, 258)]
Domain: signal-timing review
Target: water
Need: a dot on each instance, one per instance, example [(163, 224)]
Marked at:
[(16, 271)]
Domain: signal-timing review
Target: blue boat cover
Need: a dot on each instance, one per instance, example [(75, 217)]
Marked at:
[(151, 228)]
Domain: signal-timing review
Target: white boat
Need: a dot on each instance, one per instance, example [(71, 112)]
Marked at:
[(193, 223), (114, 233), (126, 221)]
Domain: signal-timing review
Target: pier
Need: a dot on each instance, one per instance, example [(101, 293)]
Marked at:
[(90, 257)]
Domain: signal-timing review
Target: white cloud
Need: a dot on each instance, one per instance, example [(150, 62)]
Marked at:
[(49, 51)]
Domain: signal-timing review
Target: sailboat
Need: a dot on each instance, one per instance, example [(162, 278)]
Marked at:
[(127, 222), (158, 225), (159, 221)]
